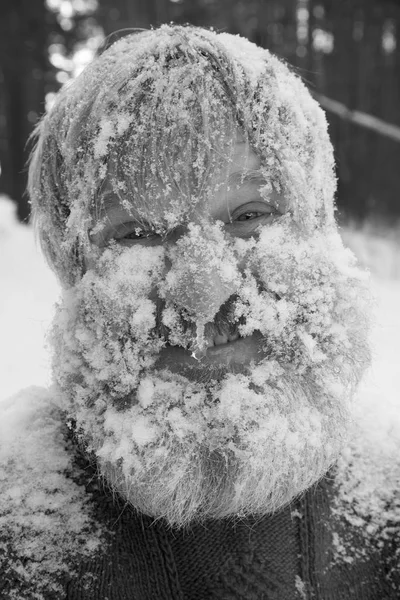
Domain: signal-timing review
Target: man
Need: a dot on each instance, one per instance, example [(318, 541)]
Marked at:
[(211, 333)]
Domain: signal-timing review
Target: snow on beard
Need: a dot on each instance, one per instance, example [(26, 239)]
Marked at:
[(200, 442), (193, 447)]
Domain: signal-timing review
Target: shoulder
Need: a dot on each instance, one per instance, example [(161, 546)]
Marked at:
[(45, 516)]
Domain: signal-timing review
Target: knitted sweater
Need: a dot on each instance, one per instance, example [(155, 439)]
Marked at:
[(295, 554), (287, 556)]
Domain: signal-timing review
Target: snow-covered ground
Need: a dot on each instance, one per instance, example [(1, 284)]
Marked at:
[(381, 255), (29, 291)]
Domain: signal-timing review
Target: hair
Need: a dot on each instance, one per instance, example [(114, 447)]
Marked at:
[(152, 116)]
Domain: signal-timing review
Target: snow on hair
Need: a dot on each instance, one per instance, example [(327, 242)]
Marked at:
[(152, 116)]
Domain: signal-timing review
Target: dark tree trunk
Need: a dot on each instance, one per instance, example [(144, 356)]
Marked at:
[(23, 63)]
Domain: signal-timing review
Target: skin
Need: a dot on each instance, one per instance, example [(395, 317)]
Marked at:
[(238, 203), (259, 436)]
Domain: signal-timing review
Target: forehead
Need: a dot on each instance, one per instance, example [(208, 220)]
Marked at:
[(238, 175)]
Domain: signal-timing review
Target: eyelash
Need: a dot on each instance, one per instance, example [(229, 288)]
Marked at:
[(249, 212), (136, 232), (141, 235), (138, 236)]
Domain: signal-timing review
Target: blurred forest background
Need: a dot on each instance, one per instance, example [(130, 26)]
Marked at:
[(347, 51)]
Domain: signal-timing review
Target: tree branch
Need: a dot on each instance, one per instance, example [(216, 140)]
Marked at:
[(358, 117)]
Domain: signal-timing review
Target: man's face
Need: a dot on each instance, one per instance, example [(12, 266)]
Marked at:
[(209, 364), (238, 206)]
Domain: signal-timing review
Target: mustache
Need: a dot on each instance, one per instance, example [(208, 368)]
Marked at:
[(224, 322)]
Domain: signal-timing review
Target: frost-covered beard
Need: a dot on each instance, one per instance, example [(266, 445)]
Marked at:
[(193, 446)]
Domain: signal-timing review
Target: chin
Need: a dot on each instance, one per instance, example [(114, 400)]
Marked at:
[(234, 472), (216, 443), (184, 490)]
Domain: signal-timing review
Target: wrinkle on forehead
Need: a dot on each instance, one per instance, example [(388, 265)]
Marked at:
[(168, 187), (154, 208), (238, 181)]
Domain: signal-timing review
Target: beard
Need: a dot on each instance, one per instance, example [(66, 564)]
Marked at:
[(186, 440)]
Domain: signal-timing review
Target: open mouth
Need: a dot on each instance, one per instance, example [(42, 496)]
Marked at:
[(238, 351), (221, 351)]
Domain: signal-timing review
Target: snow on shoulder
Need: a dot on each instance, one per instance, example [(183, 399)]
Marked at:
[(368, 475), (46, 520)]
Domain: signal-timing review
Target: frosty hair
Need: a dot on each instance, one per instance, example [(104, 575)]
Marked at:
[(154, 117)]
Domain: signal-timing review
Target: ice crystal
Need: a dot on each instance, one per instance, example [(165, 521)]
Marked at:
[(152, 116), (147, 136)]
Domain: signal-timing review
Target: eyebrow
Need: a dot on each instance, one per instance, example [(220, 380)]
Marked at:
[(239, 178), (111, 200)]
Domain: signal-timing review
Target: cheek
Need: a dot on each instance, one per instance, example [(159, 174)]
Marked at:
[(155, 294), (89, 262), (91, 256)]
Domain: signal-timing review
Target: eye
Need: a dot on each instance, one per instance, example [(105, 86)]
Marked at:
[(137, 234), (131, 233), (251, 211), (249, 215), (246, 219)]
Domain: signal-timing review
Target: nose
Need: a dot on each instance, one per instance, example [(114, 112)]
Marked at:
[(203, 272)]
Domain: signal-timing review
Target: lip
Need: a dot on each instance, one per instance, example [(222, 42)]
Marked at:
[(235, 351), (239, 352)]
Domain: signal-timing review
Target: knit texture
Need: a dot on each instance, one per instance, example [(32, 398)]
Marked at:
[(287, 556), (307, 551)]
